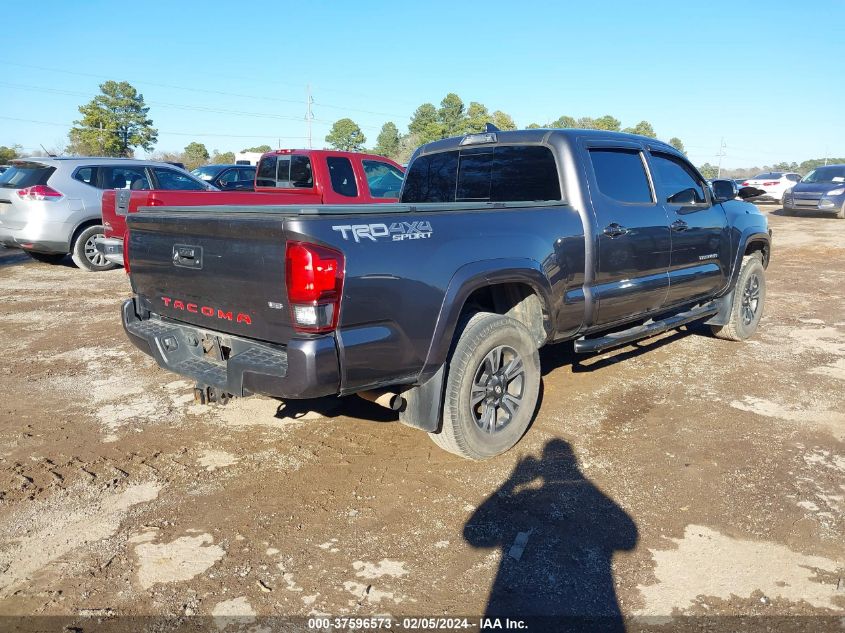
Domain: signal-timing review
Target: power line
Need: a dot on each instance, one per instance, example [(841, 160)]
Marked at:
[(196, 134), (206, 91)]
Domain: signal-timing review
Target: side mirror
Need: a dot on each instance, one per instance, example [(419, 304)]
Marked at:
[(724, 190)]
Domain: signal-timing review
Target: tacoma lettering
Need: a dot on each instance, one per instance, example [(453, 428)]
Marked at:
[(206, 311)]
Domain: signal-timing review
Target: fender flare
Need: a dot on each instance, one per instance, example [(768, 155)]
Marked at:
[(469, 278), (748, 235)]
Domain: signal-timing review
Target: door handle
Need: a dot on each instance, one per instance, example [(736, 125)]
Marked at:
[(614, 229), (679, 225)]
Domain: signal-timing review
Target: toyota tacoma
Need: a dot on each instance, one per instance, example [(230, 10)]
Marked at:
[(436, 306)]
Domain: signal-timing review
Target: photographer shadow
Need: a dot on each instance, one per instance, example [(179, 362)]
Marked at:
[(558, 533)]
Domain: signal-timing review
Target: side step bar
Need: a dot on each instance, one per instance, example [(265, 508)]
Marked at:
[(650, 328)]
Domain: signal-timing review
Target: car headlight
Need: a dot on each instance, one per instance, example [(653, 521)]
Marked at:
[(836, 192)]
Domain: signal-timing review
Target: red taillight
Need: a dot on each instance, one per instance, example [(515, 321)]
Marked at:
[(39, 192), (745, 184), (770, 184), (315, 286)]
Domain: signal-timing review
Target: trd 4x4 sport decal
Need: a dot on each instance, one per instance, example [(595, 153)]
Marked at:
[(397, 231)]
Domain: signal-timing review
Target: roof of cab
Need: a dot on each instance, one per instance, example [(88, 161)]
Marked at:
[(539, 136)]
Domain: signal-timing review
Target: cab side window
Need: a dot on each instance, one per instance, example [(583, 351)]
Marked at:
[(342, 176), (620, 175), (676, 181)]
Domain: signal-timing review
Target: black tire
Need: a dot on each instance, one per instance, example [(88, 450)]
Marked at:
[(85, 256), (494, 362), (749, 298), (46, 258)]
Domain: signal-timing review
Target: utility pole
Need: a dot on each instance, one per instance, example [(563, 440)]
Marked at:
[(309, 100), (721, 154)]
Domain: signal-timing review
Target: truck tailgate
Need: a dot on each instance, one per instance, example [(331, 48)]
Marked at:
[(225, 274)]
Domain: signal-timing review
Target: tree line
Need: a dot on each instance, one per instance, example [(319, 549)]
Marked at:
[(454, 118), (805, 167), (116, 122)]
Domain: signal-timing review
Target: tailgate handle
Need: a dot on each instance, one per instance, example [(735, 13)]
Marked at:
[(187, 256)]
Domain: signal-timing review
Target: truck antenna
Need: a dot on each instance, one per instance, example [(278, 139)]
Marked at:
[(309, 115)]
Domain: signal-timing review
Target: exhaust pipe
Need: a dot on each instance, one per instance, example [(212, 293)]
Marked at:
[(387, 399)]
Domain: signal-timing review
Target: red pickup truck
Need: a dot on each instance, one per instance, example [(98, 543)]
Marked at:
[(285, 176)]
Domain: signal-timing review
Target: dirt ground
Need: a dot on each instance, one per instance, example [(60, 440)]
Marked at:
[(682, 476)]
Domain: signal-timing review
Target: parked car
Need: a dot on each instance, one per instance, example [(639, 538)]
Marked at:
[(436, 307), (773, 184), (228, 177), (283, 177), (51, 207), (823, 189)]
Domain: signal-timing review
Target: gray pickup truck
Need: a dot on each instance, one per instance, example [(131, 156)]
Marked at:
[(436, 306)]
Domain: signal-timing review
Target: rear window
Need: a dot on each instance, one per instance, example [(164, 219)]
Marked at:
[(503, 173), (285, 172), (772, 175), (25, 174)]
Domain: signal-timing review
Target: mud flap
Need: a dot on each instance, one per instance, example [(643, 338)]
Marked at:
[(725, 304), (424, 403)]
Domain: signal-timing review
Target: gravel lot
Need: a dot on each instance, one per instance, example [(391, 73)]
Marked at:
[(683, 475)]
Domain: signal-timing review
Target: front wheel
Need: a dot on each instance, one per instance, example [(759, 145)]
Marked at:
[(492, 388), (85, 254), (748, 300)]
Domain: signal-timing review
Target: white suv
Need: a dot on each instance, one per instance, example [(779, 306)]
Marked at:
[(51, 207), (773, 183)]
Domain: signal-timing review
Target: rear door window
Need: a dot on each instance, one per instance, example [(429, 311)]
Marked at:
[(383, 179), (501, 173), (621, 175), (246, 173), (172, 180), (342, 176), (118, 177), (25, 174), (676, 182)]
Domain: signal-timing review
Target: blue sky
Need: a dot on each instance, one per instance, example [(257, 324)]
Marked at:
[(234, 74)]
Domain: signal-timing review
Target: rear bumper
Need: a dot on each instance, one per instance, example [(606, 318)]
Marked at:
[(34, 240), (111, 248), (305, 368)]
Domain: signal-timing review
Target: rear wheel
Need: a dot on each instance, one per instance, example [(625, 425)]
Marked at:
[(47, 258), (85, 254), (492, 388), (749, 297)]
